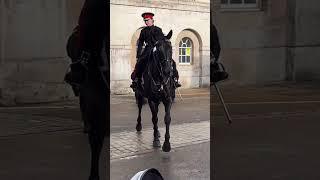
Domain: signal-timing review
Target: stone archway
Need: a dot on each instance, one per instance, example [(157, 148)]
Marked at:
[(190, 74)]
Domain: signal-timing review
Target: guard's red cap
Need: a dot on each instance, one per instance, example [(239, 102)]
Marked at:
[(147, 15)]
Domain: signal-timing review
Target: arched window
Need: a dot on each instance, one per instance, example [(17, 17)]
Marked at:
[(185, 51)]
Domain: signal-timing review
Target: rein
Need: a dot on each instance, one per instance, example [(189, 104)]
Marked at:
[(160, 70)]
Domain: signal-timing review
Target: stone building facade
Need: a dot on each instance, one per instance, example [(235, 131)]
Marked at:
[(32, 51), (266, 41), (188, 19), (33, 37)]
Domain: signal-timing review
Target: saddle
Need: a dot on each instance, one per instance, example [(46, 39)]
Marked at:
[(217, 72), (78, 69)]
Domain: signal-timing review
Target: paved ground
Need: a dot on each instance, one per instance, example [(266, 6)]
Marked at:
[(193, 107), (274, 135), (185, 163), (190, 135), (45, 141), (126, 144)]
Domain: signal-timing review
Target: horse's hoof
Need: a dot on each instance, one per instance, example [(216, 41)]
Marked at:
[(156, 143), (138, 127), (166, 147)]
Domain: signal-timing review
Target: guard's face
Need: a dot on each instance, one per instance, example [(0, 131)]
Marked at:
[(149, 22)]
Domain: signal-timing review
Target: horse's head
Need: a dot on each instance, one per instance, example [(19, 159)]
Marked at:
[(160, 66), (163, 53)]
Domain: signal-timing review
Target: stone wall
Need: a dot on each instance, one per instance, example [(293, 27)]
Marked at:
[(305, 49), (253, 42), (33, 57), (278, 42), (180, 16), (33, 37)]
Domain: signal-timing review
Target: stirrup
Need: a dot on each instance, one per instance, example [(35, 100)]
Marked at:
[(176, 83)]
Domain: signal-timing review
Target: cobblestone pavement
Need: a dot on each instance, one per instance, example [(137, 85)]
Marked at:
[(189, 130), (126, 144), (274, 135), (45, 140), (184, 163), (39, 119), (277, 92)]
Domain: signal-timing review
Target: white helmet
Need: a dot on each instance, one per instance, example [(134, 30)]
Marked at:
[(148, 174)]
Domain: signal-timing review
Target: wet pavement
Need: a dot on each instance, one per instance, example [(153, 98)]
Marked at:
[(44, 143), (274, 135), (126, 144), (132, 152), (185, 163), (45, 140)]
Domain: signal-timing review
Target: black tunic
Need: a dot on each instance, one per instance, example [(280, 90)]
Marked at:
[(150, 35), (93, 25), (214, 42)]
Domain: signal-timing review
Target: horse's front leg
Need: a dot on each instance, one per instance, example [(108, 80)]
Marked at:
[(96, 142), (154, 107), (167, 119), (140, 102)]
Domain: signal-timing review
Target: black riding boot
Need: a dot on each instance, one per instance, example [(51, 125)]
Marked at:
[(176, 82), (136, 83)]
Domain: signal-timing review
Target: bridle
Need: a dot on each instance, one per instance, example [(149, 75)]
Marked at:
[(158, 63)]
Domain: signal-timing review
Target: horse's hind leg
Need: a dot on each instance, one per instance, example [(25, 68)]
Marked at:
[(167, 119), (96, 113), (140, 102), (96, 143), (154, 107), (86, 125)]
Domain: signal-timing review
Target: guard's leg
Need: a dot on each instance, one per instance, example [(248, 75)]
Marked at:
[(175, 75)]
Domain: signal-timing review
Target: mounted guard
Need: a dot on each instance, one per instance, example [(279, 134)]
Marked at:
[(149, 36)]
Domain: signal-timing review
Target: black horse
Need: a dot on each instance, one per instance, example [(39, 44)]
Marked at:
[(94, 100), (158, 86), (90, 81)]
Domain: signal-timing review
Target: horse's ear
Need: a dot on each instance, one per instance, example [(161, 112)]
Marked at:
[(168, 36)]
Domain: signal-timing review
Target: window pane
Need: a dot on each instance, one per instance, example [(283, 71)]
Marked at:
[(183, 59), (236, 1), (250, 1), (183, 51), (224, 1), (180, 51), (189, 43), (180, 59), (188, 59)]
